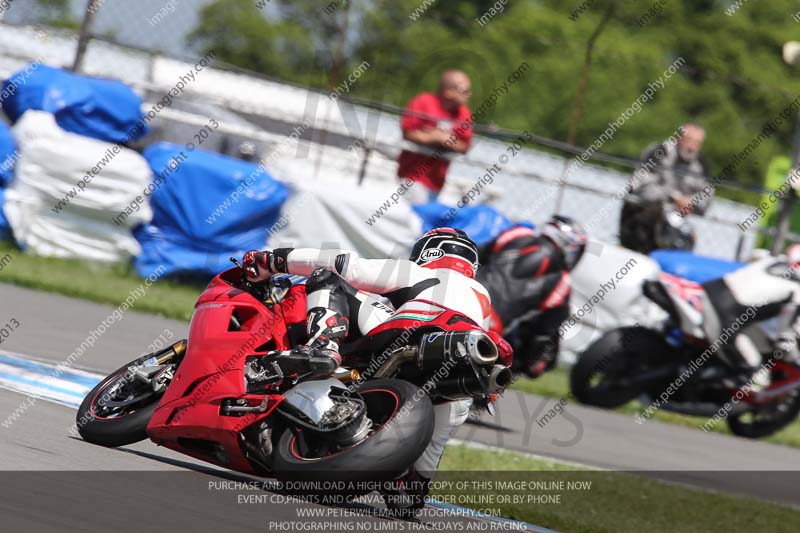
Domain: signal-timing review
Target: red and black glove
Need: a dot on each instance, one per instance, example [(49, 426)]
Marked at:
[(259, 266), (256, 265)]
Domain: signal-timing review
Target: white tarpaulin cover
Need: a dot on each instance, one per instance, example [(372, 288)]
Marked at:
[(48, 212), (334, 215)]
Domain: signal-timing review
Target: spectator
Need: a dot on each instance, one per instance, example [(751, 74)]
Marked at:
[(671, 175), (439, 125)]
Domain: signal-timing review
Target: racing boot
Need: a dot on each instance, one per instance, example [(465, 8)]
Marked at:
[(327, 326), (319, 357), (758, 376), (326, 323)]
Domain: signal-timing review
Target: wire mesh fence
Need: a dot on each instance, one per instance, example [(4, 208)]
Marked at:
[(345, 139)]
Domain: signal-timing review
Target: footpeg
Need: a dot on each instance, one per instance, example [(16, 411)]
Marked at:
[(259, 377)]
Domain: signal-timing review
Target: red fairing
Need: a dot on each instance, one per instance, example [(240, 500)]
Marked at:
[(294, 305), (788, 373), (213, 370), (505, 349)]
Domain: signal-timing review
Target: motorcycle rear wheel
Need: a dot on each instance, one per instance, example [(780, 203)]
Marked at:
[(402, 418)]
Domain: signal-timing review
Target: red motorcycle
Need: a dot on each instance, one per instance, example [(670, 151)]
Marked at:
[(216, 397)]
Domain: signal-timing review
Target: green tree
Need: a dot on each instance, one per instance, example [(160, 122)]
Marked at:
[(732, 81), (57, 14), (239, 34)]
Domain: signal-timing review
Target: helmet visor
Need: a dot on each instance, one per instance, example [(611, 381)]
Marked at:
[(460, 250)]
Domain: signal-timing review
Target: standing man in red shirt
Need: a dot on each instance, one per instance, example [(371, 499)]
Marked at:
[(439, 125)]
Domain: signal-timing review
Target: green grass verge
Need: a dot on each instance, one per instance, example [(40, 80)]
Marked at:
[(108, 284), (615, 503), (555, 384)]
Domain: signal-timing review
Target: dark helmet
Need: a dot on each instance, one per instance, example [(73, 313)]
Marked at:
[(446, 248), (569, 236)]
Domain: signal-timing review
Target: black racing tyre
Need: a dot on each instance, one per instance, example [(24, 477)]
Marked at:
[(117, 410), (767, 420), (402, 417), (602, 375)]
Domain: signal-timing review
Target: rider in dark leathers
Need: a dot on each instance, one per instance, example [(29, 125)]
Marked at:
[(527, 275)]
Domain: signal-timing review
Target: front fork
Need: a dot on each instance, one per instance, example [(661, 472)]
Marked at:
[(158, 370)]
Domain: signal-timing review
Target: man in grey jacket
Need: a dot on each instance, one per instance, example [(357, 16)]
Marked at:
[(671, 174)]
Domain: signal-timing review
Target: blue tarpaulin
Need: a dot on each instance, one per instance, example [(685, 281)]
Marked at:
[(7, 155), (693, 267), (208, 208), (100, 108), (5, 228), (481, 222)]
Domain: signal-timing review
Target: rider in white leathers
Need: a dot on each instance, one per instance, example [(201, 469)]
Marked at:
[(440, 272)]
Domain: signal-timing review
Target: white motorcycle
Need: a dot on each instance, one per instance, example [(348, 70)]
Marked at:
[(687, 363)]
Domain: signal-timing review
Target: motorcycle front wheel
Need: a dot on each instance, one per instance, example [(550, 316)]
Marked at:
[(116, 411), (767, 420)]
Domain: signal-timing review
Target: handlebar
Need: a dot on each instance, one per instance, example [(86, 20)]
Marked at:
[(265, 289)]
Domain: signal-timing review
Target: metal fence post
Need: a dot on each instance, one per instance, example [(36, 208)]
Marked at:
[(363, 171), (92, 6), (784, 219)]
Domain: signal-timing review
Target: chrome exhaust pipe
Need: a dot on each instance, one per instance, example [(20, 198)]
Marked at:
[(499, 378), (398, 357), (445, 349), (481, 348)]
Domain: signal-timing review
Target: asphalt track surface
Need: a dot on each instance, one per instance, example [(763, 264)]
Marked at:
[(52, 326)]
